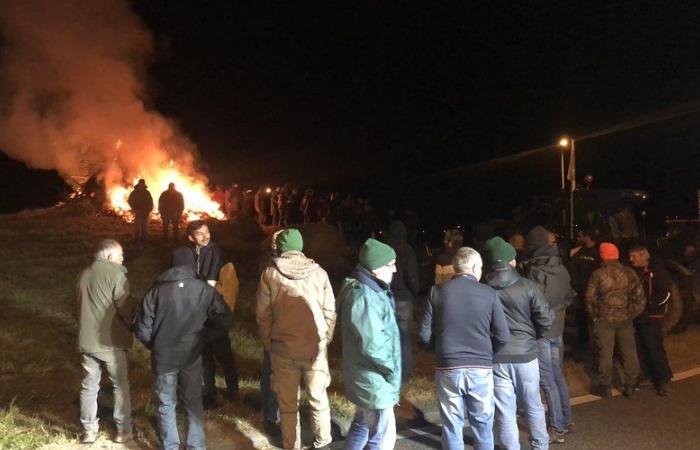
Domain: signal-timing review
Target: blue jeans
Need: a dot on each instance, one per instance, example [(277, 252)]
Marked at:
[(116, 364), (190, 380), (519, 384), (553, 383), (473, 386), (268, 399), (372, 429)]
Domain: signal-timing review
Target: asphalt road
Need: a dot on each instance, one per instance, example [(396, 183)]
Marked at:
[(645, 421)]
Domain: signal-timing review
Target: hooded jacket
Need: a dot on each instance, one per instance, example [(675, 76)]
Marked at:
[(656, 283), (103, 299), (178, 314), (371, 344), (546, 270), (527, 312), (295, 307), (171, 204), (404, 284), (140, 200), (614, 293)]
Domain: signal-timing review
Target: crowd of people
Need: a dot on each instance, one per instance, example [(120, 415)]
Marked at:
[(494, 318)]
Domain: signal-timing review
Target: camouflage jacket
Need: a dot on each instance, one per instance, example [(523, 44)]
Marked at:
[(614, 293)]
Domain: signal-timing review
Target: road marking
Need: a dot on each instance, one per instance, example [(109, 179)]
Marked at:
[(583, 399)]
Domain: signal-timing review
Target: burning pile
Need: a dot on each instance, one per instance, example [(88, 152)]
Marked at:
[(198, 202)]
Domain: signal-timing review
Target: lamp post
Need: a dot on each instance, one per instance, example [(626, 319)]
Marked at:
[(564, 143)]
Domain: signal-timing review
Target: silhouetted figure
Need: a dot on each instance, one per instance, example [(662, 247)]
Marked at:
[(171, 205), (141, 203)]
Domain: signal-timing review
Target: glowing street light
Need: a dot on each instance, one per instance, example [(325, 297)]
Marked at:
[(564, 142), (568, 143)]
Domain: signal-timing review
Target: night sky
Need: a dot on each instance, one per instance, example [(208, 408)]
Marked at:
[(388, 95)]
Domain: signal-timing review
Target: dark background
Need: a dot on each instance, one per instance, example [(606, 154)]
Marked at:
[(386, 98)]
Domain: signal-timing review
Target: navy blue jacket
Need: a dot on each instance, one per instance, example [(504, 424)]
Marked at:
[(466, 321)]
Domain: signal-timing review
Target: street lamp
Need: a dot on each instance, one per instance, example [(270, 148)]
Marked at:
[(567, 143)]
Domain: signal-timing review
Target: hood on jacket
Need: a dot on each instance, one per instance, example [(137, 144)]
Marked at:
[(177, 273), (502, 276), (295, 265), (537, 240), (397, 230)]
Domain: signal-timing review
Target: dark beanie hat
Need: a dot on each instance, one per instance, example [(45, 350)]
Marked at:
[(537, 238), (498, 250), (375, 254), (289, 240)]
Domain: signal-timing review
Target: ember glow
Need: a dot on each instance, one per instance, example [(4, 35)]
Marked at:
[(198, 202)]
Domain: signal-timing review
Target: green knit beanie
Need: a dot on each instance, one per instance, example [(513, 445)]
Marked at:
[(497, 249), (375, 254), (289, 240)]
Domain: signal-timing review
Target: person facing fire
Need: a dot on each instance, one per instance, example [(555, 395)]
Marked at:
[(141, 203), (171, 205), (104, 338), (261, 209)]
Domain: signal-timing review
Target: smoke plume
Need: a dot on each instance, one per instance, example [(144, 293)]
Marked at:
[(72, 95)]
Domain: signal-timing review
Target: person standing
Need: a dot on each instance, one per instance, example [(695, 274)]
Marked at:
[(584, 260), (443, 265), (141, 203), (171, 205), (295, 312), (614, 297), (205, 258), (104, 338), (466, 322), (404, 287), (656, 283), (546, 270), (516, 373), (177, 315), (371, 348)]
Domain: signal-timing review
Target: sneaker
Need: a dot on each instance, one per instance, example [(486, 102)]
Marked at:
[(569, 428), (628, 390), (89, 437), (603, 391), (662, 390), (123, 436), (556, 437)]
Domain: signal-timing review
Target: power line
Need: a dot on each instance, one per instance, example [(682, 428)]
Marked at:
[(649, 119)]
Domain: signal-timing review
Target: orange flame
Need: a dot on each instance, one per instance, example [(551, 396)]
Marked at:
[(198, 201)]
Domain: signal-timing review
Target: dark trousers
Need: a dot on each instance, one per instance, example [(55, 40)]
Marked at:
[(141, 227), (270, 407), (652, 355), (404, 318), (175, 221), (219, 350), (608, 336)]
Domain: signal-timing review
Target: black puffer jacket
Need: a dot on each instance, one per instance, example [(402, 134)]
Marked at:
[(527, 312), (546, 269), (171, 322)]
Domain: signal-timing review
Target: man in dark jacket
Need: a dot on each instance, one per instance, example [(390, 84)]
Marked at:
[(171, 205), (584, 260), (466, 321), (104, 337), (614, 297), (141, 203), (404, 286), (545, 268), (171, 323), (656, 283), (516, 374), (205, 258)]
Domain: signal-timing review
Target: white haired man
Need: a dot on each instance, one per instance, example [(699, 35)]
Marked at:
[(104, 337), (466, 321)]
